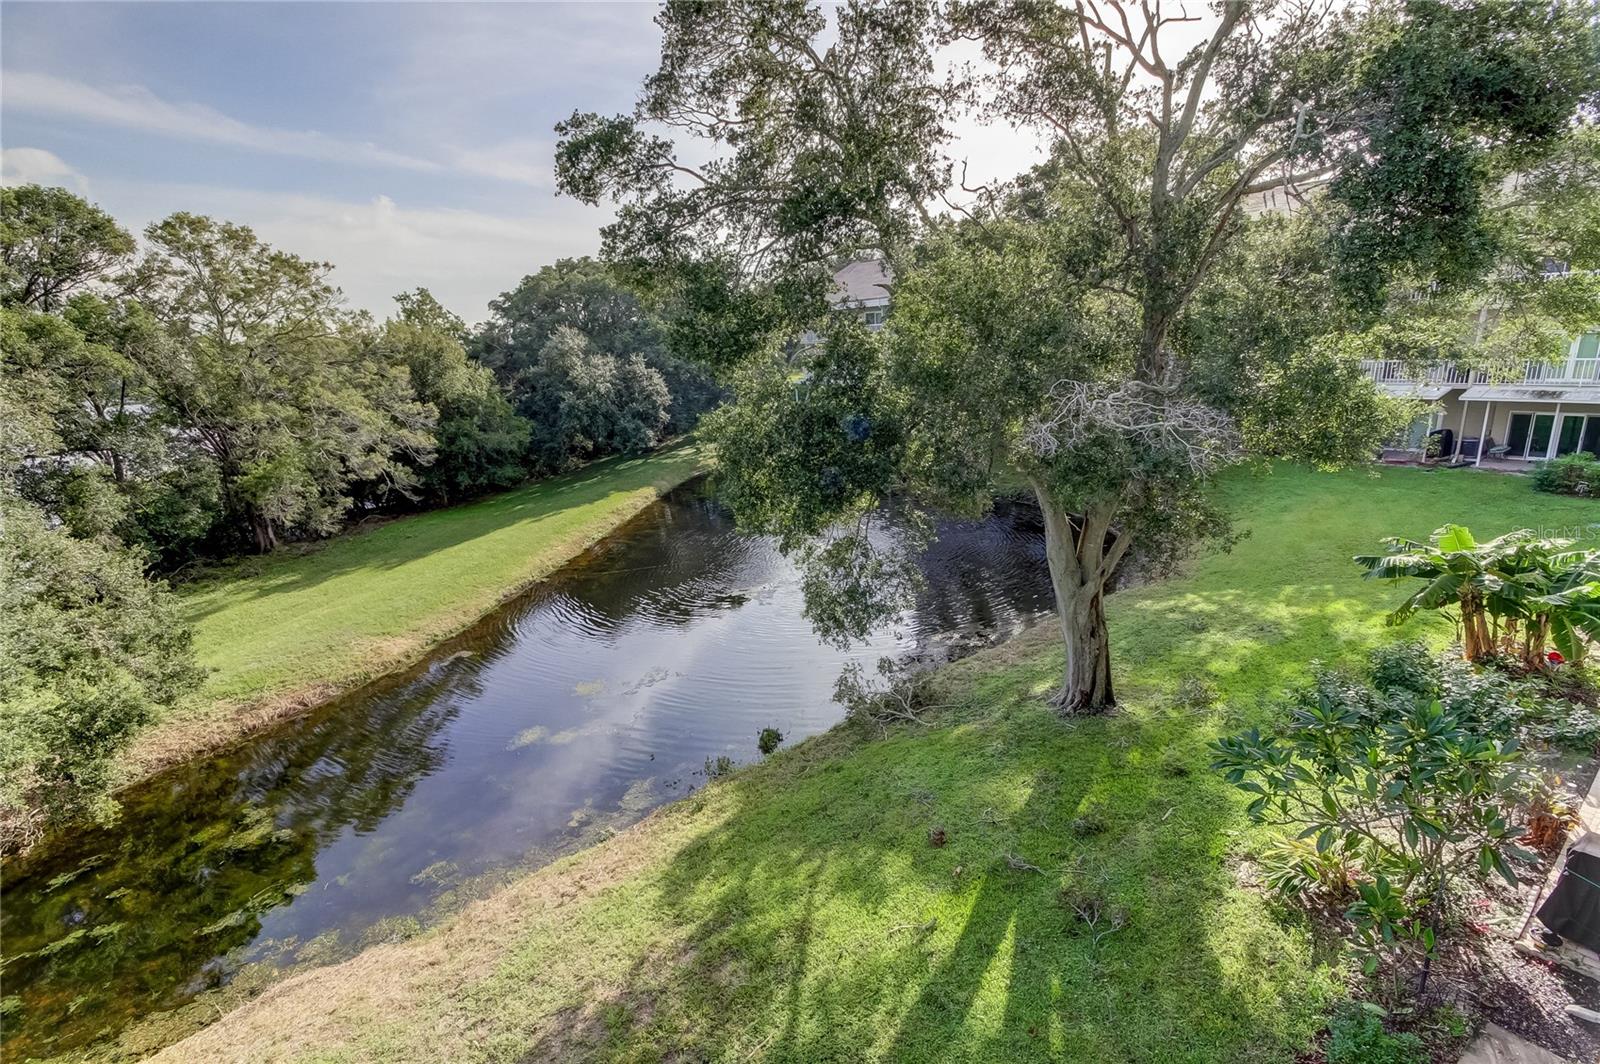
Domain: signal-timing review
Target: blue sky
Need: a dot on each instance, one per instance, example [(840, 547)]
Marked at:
[(405, 143)]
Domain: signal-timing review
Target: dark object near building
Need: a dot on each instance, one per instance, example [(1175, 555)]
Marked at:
[(1441, 444), (1573, 908), (1469, 447)]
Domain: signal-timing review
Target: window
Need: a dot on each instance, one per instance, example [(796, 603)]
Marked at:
[(1585, 365), (872, 317), (1529, 434)]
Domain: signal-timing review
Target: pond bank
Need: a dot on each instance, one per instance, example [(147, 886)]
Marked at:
[(917, 897), (283, 634), (556, 720)]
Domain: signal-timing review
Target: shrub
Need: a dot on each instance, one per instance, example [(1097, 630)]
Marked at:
[(1494, 703), (1571, 474), (1358, 1037), (768, 740), (1417, 795), (1296, 867), (89, 651), (718, 767)]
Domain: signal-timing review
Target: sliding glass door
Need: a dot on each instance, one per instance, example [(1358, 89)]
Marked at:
[(1529, 434), (1579, 432)]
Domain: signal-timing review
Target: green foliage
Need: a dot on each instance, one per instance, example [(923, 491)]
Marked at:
[(582, 294), (1518, 594), (801, 451), (586, 404), (1571, 474), (1461, 92), (1533, 708), (1415, 795), (216, 394), (1357, 1037), (1270, 339), (53, 244), (89, 651), (480, 443), (274, 387), (769, 740), (821, 134)]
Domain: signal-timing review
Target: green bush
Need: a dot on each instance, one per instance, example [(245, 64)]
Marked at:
[(89, 652), (1536, 708), (1571, 474), (1405, 794), (1359, 1038)]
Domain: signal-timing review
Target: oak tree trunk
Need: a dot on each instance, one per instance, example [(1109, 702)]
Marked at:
[(1082, 562), (266, 535)]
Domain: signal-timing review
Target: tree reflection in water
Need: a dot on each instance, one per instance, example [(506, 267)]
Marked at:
[(588, 700)]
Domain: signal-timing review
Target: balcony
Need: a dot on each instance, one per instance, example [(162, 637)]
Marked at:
[(1576, 371)]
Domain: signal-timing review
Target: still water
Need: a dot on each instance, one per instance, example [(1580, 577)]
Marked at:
[(566, 714)]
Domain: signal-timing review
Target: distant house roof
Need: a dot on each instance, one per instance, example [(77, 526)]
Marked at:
[(862, 281)]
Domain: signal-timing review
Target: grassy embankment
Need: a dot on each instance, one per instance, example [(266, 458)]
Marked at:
[(283, 633), (798, 911)]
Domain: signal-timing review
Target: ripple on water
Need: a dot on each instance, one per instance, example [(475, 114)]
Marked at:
[(581, 704)]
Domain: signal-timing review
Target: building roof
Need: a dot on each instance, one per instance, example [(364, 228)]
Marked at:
[(1527, 394), (862, 281), (1415, 390)]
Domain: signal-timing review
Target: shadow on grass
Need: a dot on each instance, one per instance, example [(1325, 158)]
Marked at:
[(818, 921)]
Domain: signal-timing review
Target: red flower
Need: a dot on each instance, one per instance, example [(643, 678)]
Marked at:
[(1554, 657)]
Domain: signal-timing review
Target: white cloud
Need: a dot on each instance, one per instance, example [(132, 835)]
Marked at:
[(23, 166), (380, 247), (135, 107)]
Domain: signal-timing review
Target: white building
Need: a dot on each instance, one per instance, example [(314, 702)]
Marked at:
[(861, 285), (1553, 409)]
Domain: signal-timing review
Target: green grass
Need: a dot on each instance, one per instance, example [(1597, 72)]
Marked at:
[(797, 911), (292, 629)]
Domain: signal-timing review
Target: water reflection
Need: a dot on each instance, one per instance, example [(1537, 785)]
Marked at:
[(578, 706)]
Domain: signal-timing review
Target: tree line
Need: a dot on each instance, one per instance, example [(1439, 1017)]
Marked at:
[(207, 393)]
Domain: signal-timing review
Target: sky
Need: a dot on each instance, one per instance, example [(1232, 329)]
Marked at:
[(408, 144)]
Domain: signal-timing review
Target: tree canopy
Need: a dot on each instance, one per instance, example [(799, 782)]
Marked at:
[(1076, 325)]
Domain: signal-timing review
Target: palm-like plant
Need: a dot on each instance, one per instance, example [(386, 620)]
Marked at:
[(1516, 594)]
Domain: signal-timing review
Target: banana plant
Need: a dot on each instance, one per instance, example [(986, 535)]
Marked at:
[(1519, 594)]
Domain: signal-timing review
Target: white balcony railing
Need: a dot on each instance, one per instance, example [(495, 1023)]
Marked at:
[(1578, 371)]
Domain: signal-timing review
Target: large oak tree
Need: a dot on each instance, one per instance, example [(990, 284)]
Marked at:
[(1052, 331)]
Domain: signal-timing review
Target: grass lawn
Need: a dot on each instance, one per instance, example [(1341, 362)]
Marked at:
[(289, 630), (798, 911)]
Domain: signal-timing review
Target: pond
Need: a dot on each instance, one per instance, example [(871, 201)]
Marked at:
[(561, 717)]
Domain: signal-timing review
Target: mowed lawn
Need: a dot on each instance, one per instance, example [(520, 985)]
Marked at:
[(799, 912), (294, 628)]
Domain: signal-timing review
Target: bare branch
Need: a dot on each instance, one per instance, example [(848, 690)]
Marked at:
[(1202, 436)]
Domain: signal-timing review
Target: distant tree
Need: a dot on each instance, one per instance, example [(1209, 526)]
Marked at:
[(97, 457), (587, 404), (272, 383), (1046, 333), (480, 443), (584, 295), (89, 651), (54, 243)]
